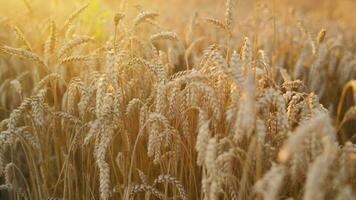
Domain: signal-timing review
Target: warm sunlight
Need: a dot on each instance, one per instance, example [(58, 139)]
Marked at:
[(177, 99)]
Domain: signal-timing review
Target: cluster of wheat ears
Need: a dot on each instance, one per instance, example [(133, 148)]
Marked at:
[(148, 113)]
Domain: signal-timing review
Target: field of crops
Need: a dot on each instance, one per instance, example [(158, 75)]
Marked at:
[(177, 99)]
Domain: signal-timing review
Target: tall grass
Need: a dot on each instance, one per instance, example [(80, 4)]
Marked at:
[(252, 106)]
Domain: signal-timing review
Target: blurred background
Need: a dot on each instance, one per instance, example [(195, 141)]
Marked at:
[(340, 11)]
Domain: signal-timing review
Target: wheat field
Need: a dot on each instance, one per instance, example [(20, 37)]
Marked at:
[(175, 99)]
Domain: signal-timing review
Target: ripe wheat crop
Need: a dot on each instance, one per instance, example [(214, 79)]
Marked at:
[(202, 99)]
